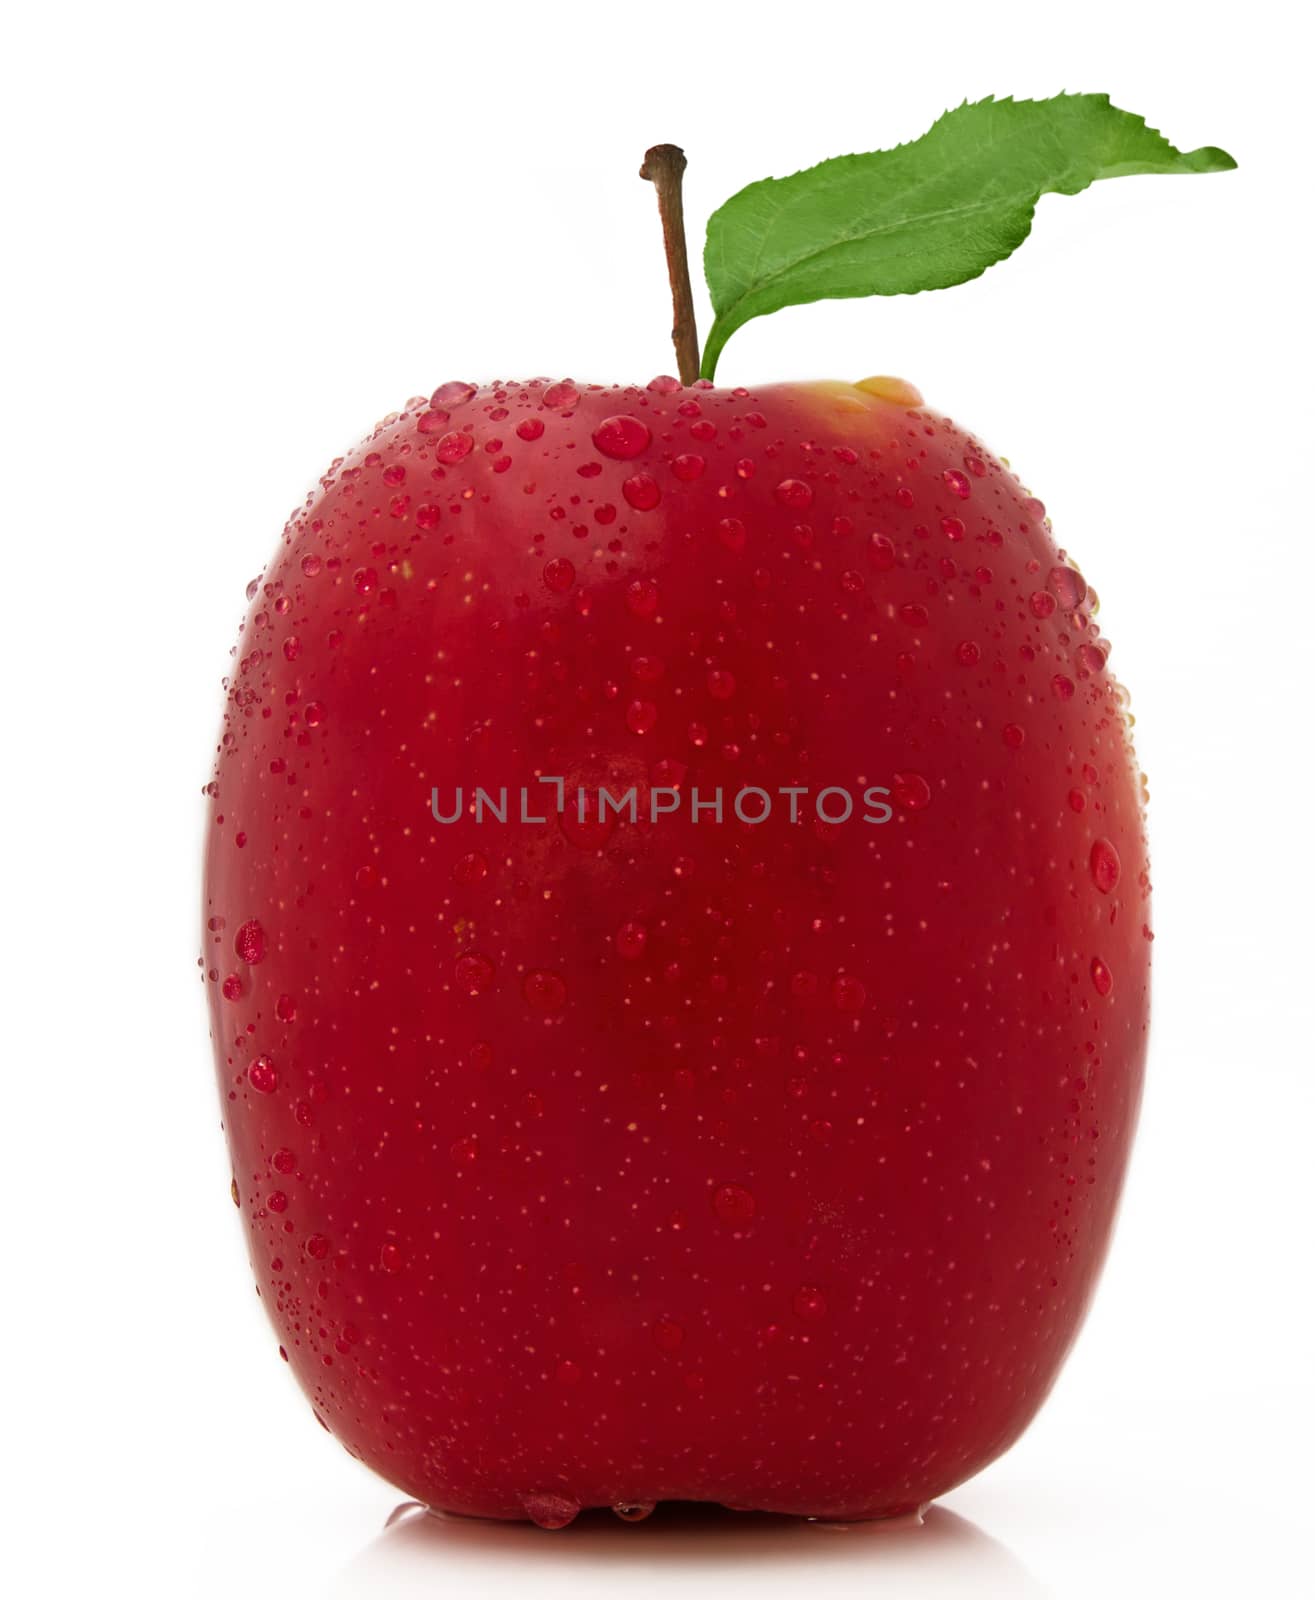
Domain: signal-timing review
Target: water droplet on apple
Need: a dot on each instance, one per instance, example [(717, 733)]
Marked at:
[(561, 396), (249, 942), (452, 394), (641, 716), (621, 438), (1063, 687), (453, 447), (231, 988), (550, 1510), (664, 383), (910, 791), (634, 1510), (559, 575), (1067, 586), (262, 1075), (794, 494), (474, 973), (734, 1204), (1105, 865), (881, 552), (1101, 976), (642, 597), (641, 492), (688, 468), (957, 483)]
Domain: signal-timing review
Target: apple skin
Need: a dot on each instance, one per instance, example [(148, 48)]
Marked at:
[(770, 1165)]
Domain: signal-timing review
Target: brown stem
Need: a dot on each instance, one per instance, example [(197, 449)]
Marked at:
[(664, 166)]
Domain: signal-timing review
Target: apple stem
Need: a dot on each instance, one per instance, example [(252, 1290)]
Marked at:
[(664, 167)]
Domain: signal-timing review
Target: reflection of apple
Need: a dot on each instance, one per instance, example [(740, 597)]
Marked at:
[(940, 1556), (762, 1163)]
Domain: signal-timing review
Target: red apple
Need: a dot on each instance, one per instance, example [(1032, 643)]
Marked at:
[(762, 1162)]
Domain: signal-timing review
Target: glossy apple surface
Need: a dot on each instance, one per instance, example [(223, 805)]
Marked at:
[(769, 1163)]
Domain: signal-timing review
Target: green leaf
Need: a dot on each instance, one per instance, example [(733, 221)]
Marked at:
[(924, 215)]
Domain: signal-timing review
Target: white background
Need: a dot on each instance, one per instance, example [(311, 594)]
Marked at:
[(241, 233)]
